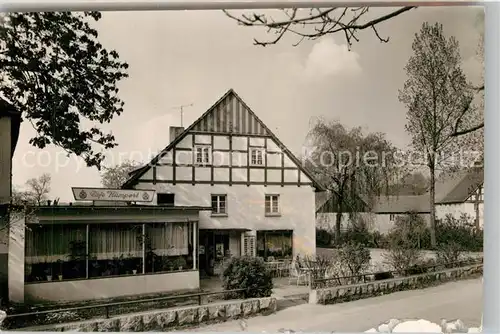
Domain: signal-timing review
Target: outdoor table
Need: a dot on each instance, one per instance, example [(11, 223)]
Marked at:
[(274, 265)]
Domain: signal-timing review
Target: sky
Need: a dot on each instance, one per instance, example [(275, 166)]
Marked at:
[(194, 57)]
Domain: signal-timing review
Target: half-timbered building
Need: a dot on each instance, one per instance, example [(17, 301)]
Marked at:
[(262, 198)]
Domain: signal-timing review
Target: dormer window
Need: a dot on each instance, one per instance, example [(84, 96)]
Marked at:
[(256, 157), (203, 154)]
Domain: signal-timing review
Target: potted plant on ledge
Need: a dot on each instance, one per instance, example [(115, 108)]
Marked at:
[(60, 266), (137, 268), (179, 263), (48, 273)]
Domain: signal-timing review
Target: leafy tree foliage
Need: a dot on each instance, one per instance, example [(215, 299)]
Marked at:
[(56, 73), (115, 176), (412, 183), (435, 95), (353, 166)]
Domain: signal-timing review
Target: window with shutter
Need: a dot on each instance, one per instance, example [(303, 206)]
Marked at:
[(249, 246)]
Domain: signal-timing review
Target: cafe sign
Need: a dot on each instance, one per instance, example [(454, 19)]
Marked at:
[(115, 195)]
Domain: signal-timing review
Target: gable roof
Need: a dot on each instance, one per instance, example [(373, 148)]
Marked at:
[(201, 124), (459, 187), (450, 189), (402, 204), (321, 198), (380, 204), (326, 202)]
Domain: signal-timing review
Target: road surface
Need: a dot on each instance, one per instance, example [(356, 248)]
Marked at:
[(462, 300)]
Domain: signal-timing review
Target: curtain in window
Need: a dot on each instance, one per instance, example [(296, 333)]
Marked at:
[(108, 241), (49, 243), (169, 239), (274, 243)]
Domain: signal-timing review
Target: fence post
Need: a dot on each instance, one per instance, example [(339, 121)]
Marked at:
[(199, 300), (107, 312)]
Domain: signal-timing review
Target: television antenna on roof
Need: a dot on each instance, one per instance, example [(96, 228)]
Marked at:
[(181, 109)]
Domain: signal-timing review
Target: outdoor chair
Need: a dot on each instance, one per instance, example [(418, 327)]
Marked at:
[(296, 274), (284, 269)]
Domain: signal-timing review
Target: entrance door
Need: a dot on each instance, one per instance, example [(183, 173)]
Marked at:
[(214, 246), (206, 244)]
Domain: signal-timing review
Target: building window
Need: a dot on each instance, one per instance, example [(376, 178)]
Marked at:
[(219, 204), (275, 244), (249, 246), (392, 217), (55, 252), (165, 199), (203, 154), (272, 205), (256, 157)]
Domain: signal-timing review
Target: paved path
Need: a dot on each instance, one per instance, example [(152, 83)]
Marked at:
[(462, 300)]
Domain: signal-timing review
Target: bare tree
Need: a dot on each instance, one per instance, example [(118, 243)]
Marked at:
[(313, 23), (21, 197), (317, 22), (38, 188), (115, 176), (435, 94), (353, 166)]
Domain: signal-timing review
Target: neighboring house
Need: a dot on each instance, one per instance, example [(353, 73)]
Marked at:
[(262, 198), (458, 194), (462, 193), (382, 215)]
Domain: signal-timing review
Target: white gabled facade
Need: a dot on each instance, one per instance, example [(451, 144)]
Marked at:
[(229, 160), (472, 207)]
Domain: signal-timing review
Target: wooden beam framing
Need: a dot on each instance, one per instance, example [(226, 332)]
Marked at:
[(174, 164), (230, 160), (282, 169), (193, 167), (265, 162), (212, 159), (227, 182), (249, 156)]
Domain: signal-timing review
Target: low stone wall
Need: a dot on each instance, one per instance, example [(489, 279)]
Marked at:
[(345, 293), (168, 319)]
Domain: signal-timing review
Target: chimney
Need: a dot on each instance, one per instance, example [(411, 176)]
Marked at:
[(175, 131)]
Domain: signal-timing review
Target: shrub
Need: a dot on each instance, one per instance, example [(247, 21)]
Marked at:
[(383, 275), (355, 257), (250, 274), (317, 265), (449, 254), (400, 259), (404, 241), (416, 269), (460, 231), (408, 232)]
